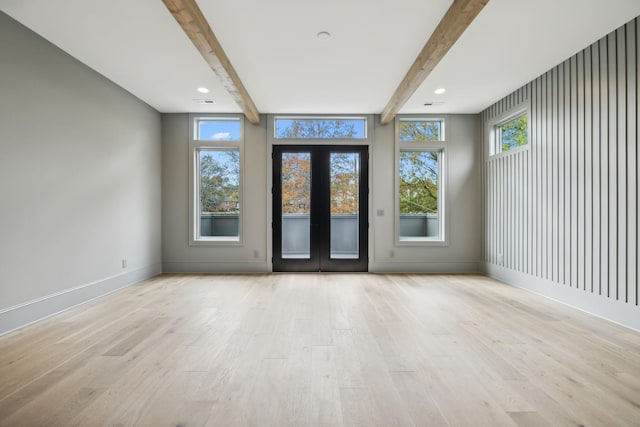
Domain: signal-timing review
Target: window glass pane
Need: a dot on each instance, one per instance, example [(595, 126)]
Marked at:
[(217, 129), (344, 178), (296, 205), (321, 128), (514, 134), (219, 201), (419, 194), (420, 130)]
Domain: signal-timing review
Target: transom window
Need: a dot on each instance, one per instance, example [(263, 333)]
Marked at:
[(420, 130), (320, 128), (217, 129)]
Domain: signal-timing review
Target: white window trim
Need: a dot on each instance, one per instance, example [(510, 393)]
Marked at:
[(443, 168), (194, 181), (493, 149)]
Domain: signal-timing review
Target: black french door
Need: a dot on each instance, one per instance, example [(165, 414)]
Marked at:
[(320, 208)]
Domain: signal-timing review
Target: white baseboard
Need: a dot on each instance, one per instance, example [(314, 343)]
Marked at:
[(619, 312), (215, 267), (21, 315), (388, 266)]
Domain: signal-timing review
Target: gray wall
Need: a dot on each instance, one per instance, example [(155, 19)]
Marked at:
[(177, 255), (463, 194), (463, 190), (561, 218), (79, 181)]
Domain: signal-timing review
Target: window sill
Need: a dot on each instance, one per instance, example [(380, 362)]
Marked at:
[(510, 152), (217, 241), (421, 241)]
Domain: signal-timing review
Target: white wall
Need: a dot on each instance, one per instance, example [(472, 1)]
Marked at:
[(561, 217), (79, 181), (463, 188)]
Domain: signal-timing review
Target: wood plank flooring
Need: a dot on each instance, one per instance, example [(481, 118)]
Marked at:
[(321, 350)]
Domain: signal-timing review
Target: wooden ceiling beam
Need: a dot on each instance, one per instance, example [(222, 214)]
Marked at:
[(195, 25), (457, 19)]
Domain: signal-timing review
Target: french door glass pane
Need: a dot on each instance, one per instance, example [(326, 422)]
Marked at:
[(344, 173), (296, 205)]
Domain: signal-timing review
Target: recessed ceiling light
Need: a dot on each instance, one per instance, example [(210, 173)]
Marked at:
[(203, 90), (439, 91), (324, 35)]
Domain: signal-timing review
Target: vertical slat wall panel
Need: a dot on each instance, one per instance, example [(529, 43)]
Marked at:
[(567, 171), (632, 165), (612, 290), (566, 209), (483, 200), (548, 144), (537, 199), (554, 174), (588, 172), (604, 169), (579, 139), (562, 179), (595, 155), (530, 199), (621, 166), (573, 172)]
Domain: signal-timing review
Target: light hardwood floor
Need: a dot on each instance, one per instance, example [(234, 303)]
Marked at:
[(320, 350)]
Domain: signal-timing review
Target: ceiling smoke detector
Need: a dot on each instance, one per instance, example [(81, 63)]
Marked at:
[(324, 35)]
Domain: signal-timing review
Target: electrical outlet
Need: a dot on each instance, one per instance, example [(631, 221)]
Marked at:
[(380, 212), (256, 253), (392, 254), (124, 263)]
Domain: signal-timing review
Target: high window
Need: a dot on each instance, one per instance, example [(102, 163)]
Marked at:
[(420, 167), (216, 148), (420, 130), (511, 133), (320, 128)]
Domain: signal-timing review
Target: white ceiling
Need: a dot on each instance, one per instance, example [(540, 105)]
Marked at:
[(287, 69)]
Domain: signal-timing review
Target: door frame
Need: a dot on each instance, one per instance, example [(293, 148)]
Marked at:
[(320, 219), (268, 158)]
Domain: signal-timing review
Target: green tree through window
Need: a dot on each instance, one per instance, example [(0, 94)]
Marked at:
[(419, 182), (514, 133), (320, 128), (420, 130), (219, 181)]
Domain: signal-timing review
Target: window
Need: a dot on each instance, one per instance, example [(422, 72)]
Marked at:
[(420, 130), (320, 128), (216, 191), (511, 134), (420, 155), (419, 195), (217, 129)]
